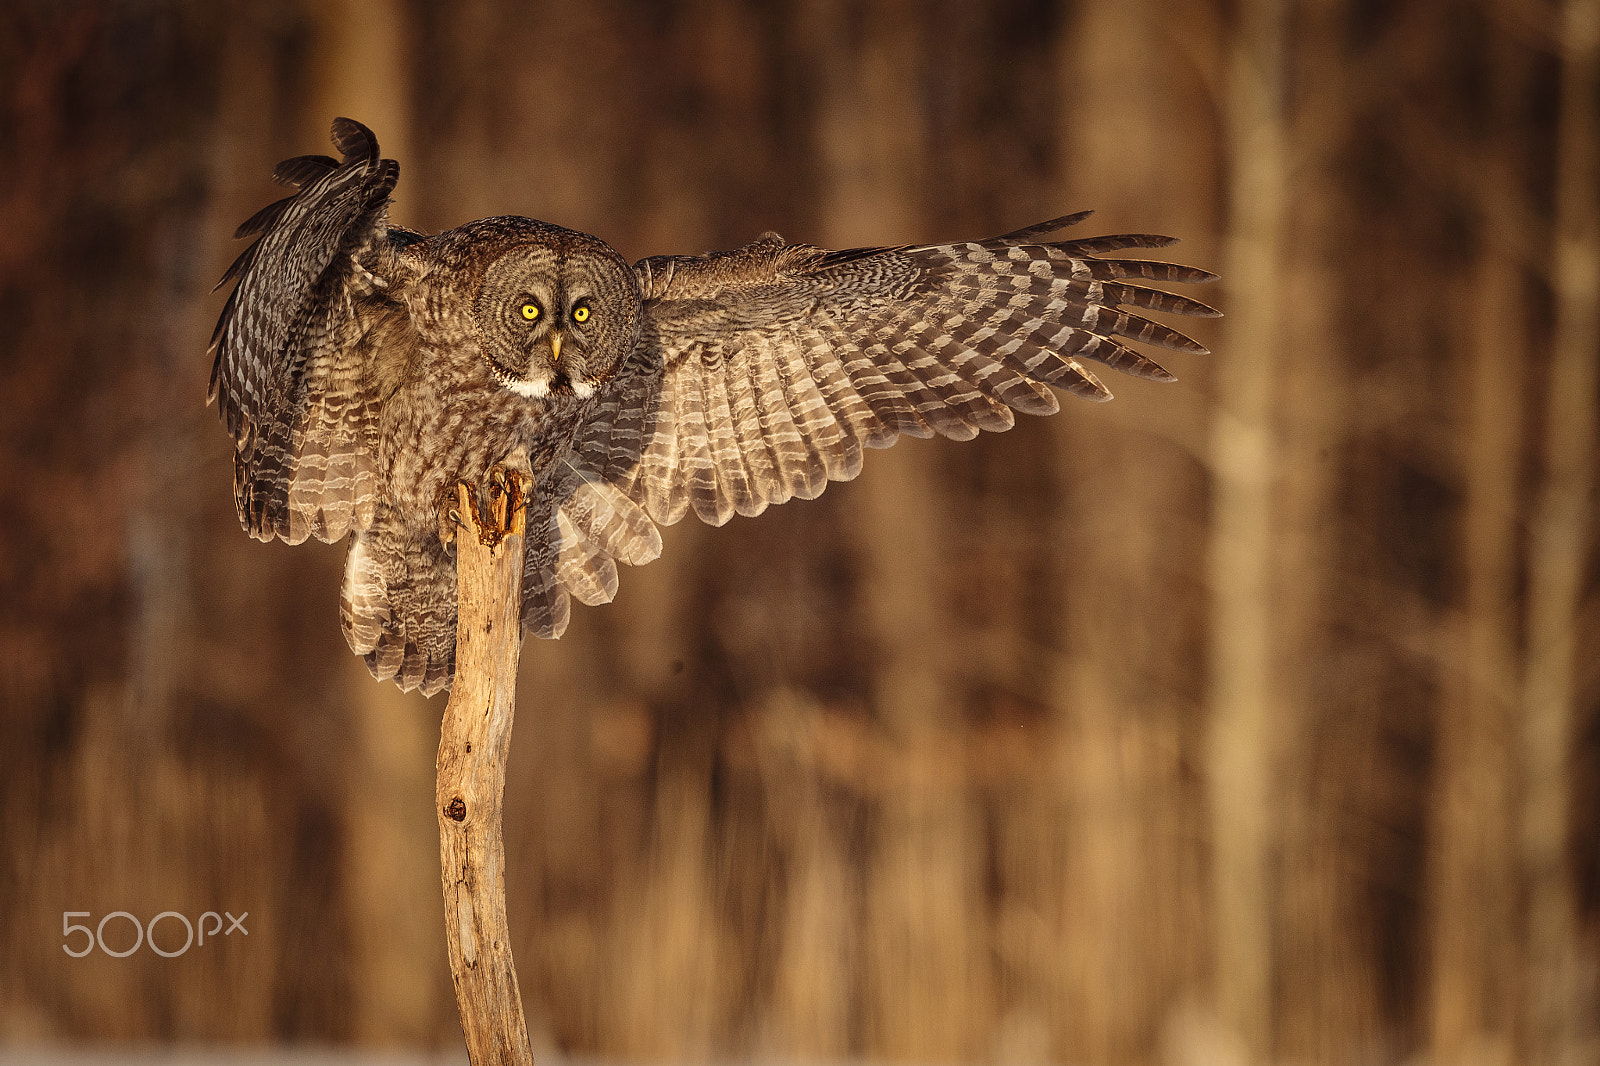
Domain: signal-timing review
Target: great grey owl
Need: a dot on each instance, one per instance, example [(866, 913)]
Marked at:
[(363, 368)]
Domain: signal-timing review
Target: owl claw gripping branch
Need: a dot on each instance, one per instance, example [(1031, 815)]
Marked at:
[(362, 369)]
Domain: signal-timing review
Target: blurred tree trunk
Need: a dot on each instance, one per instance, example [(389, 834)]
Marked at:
[(1324, 978), (1474, 945), (359, 68), (1126, 555), (1244, 452), (925, 993), (1558, 545)]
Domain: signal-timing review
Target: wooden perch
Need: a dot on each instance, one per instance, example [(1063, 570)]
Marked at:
[(474, 740)]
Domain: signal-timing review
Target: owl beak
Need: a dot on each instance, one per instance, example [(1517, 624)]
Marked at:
[(555, 346)]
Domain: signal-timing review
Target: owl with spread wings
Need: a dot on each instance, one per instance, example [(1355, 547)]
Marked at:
[(362, 369)]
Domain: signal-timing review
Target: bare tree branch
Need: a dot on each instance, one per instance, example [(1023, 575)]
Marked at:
[(474, 740)]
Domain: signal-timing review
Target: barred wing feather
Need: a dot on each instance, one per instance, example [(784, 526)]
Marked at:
[(762, 373), (293, 344)]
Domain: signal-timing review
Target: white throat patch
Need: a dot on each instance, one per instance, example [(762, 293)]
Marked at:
[(530, 390)]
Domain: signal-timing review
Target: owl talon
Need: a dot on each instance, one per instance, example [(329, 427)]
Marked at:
[(506, 489), (449, 519), (449, 522)]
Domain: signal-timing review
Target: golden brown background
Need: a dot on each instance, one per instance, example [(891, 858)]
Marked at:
[(1250, 719)]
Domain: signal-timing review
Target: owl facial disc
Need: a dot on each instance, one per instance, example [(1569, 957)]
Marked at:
[(556, 313)]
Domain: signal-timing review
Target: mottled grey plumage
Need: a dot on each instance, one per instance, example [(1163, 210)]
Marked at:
[(363, 369)]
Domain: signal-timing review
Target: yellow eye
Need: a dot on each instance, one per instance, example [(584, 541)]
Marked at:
[(530, 311), (580, 314)]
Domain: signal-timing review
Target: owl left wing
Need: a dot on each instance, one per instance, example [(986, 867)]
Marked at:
[(762, 373), (298, 338)]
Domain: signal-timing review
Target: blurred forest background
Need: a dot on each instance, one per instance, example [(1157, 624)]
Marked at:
[(1250, 719)]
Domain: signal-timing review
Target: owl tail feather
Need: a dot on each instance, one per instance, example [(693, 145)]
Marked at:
[(398, 608)]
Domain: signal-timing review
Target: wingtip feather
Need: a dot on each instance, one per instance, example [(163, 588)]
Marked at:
[(1040, 229), (354, 140), (303, 169)]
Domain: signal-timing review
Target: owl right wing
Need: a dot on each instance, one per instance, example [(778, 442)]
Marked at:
[(297, 341), (762, 373)]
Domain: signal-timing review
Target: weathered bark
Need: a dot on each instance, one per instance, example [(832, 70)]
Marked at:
[(474, 741)]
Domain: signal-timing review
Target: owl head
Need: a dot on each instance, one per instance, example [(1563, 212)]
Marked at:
[(556, 313)]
